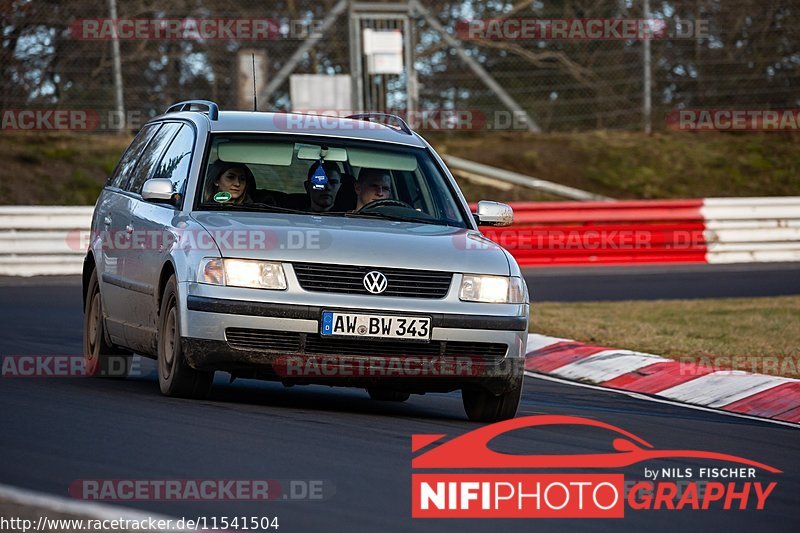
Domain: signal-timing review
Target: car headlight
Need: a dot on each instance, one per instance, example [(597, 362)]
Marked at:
[(492, 289), (243, 273)]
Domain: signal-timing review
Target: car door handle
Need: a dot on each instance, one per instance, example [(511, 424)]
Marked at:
[(107, 220), (129, 228)]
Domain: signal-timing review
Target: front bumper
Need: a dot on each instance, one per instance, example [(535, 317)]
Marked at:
[(452, 360)]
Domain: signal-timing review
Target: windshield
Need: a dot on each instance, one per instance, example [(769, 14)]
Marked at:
[(334, 177)]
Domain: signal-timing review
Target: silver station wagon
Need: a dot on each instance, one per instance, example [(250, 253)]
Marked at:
[(306, 250)]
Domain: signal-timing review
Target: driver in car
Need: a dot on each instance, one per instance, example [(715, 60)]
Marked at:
[(373, 184)]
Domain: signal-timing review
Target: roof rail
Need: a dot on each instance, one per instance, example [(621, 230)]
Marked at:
[(367, 116), (186, 105)]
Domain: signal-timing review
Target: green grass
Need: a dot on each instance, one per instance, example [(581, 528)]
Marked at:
[(628, 165), (476, 191), (755, 334), (83, 189), (60, 169), (67, 153)]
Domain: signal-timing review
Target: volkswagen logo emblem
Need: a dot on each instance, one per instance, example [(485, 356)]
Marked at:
[(375, 282)]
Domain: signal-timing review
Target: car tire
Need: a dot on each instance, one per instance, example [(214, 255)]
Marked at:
[(384, 395), (175, 377), (482, 405), (100, 357)]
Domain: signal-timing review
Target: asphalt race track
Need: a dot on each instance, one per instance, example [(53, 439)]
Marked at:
[(54, 431), (575, 284), (663, 282)]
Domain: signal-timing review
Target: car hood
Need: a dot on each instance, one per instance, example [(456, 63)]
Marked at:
[(353, 241)]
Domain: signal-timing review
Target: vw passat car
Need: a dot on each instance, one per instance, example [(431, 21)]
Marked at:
[(302, 249)]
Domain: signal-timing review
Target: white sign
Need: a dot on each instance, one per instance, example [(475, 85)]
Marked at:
[(384, 51), (319, 92), (385, 64), (382, 42)]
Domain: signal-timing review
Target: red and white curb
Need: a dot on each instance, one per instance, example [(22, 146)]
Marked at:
[(758, 395)]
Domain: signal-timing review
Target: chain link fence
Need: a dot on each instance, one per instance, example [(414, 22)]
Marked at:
[(736, 54)]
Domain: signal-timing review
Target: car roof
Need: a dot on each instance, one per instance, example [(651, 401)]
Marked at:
[(300, 124)]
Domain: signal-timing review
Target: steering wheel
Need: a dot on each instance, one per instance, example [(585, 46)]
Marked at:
[(386, 202)]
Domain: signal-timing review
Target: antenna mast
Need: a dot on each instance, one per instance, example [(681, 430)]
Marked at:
[(255, 100)]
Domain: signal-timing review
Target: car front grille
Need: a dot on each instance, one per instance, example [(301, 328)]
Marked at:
[(314, 345), (349, 279), (258, 339)]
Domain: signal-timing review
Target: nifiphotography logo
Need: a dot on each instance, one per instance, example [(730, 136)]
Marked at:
[(471, 480)]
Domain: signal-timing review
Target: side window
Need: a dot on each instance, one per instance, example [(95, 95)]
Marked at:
[(151, 155), (129, 159), (174, 165)]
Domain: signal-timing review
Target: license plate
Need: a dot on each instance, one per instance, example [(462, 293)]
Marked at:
[(376, 326)]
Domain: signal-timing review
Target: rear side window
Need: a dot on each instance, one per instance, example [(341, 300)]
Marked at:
[(131, 156), (151, 156), (174, 165)]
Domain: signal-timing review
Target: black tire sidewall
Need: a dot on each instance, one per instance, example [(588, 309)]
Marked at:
[(97, 361), (183, 381), (168, 299), (483, 406)]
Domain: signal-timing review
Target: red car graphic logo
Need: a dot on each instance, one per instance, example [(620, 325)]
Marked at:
[(471, 450)]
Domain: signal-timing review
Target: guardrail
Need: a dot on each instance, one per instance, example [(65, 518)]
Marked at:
[(745, 230), (37, 240), (711, 230), (51, 240), (585, 233)]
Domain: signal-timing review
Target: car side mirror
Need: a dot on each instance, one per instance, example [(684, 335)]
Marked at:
[(158, 190), (494, 214)]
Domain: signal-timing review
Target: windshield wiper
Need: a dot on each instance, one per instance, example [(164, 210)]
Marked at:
[(396, 218)]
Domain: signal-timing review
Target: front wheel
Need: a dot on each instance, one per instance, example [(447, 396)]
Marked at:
[(483, 406), (100, 357), (175, 376)]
